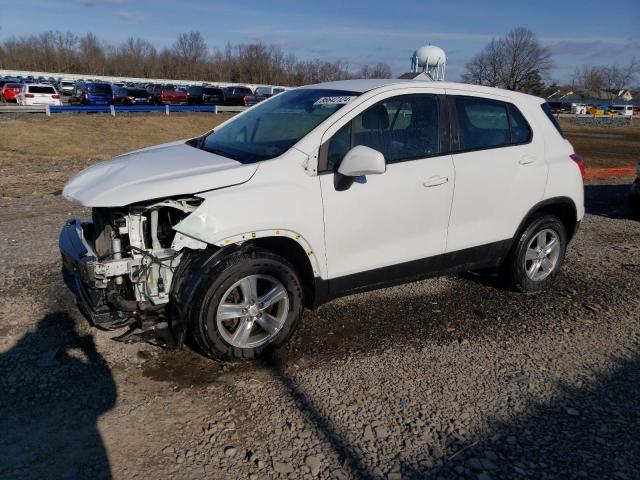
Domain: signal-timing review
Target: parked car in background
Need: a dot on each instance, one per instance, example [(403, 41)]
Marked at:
[(320, 192), (202, 95), (166, 95), (268, 91), (10, 91), (624, 110), (130, 96), (578, 108), (634, 195), (235, 95), (91, 93), (38, 94), (66, 86)]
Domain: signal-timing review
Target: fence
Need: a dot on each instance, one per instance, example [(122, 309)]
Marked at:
[(115, 109)]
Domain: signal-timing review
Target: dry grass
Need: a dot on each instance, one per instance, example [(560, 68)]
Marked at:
[(38, 154), (621, 148)]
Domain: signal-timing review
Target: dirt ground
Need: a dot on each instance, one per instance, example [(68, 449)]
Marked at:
[(450, 378), (605, 147)]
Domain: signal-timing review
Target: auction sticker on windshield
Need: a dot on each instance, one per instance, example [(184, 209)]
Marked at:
[(333, 100)]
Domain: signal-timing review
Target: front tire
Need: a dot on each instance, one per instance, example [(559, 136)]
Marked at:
[(537, 256), (250, 304)]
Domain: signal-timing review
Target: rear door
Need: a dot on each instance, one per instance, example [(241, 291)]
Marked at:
[(384, 226), (500, 167)]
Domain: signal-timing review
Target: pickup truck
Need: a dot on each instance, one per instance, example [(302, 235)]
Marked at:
[(166, 95), (238, 96)]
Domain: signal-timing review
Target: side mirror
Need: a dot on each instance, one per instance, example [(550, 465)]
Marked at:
[(362, 160)]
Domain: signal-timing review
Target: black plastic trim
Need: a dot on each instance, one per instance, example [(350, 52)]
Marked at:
[(545, 203), (484, 256)]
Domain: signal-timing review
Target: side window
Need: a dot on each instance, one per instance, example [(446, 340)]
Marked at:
[(482, 123), (402, 128), (520, 131)]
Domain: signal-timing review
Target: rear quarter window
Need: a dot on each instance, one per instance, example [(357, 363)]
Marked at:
[(547, 110)]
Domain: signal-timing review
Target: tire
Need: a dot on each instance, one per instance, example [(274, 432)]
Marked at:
[(225, 339), (520, 271)]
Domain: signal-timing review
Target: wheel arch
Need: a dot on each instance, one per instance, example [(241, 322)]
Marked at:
[(562, 207)]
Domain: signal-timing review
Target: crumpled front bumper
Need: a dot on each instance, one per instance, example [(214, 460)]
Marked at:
[(84, 277)]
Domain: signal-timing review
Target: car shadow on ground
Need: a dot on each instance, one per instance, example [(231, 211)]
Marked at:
[(55, 387), (584, 432), (610, 201)]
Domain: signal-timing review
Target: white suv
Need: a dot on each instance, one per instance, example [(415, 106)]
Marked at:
[(316, 193), (32, 94)]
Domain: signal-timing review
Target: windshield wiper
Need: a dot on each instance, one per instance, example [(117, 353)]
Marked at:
[(222, 153)]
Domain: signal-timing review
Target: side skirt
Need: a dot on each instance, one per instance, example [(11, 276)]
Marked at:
[(484, 256)]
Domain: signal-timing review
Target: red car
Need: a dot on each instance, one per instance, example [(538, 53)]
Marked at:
[(10, 91), (166, 94)]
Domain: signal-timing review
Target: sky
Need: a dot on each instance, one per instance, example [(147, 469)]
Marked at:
[(578, 32)]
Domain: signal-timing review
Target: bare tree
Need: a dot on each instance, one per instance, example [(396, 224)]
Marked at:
[(509, 62), (188, 58), (377, 70), (604, 80)]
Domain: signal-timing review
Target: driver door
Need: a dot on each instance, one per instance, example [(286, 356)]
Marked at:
[(389, 227)]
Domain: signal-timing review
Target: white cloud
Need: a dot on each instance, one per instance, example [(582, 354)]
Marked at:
[(133, 17)]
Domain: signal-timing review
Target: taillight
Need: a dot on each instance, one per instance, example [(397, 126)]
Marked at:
[(29, 95), (130, 97), (578, 159), (245, 99), (55, 96)]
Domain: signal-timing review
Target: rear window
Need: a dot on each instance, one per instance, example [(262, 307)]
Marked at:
[(212, 91), (243, 91), (14, 85), (195, 90), (137, 93), (100, 89), (547, 110), (38, 89)]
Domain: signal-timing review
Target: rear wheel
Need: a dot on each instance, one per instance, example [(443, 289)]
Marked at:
[(537, 256), (250, 304)]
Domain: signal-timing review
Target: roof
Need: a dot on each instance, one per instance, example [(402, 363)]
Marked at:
[(366, 85), (415, 76)]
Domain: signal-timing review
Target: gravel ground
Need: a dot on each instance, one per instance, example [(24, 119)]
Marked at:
[(451, 378)]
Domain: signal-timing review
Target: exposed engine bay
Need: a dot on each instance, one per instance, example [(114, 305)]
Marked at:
[(132, 254)]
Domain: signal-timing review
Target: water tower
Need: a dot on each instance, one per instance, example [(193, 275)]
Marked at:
[(431, 60)]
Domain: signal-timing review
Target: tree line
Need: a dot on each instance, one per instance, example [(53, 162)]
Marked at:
[(518, 61), (189, 57)]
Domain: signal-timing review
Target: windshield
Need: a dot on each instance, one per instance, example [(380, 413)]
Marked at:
[(273, 127)]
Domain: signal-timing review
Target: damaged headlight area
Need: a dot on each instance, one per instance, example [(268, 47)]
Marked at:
[(122, 264)]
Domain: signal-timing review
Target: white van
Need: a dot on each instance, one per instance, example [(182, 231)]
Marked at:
[(624, 110)]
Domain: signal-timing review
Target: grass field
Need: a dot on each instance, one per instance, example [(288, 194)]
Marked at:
[(605, 147), (38, 154)]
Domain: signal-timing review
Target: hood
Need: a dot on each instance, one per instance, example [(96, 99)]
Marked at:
[(155, 172)]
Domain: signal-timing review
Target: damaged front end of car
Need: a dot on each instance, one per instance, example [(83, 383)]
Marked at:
[(122, 266)]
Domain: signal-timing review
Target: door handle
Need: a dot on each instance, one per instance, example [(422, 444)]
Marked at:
[(435, 181), (527, 159)]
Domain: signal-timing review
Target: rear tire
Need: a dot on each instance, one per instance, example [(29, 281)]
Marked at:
[(537, 256), (232, 317)]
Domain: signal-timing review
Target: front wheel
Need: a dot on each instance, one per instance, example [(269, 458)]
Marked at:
[(537, 256), (250, 304)]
